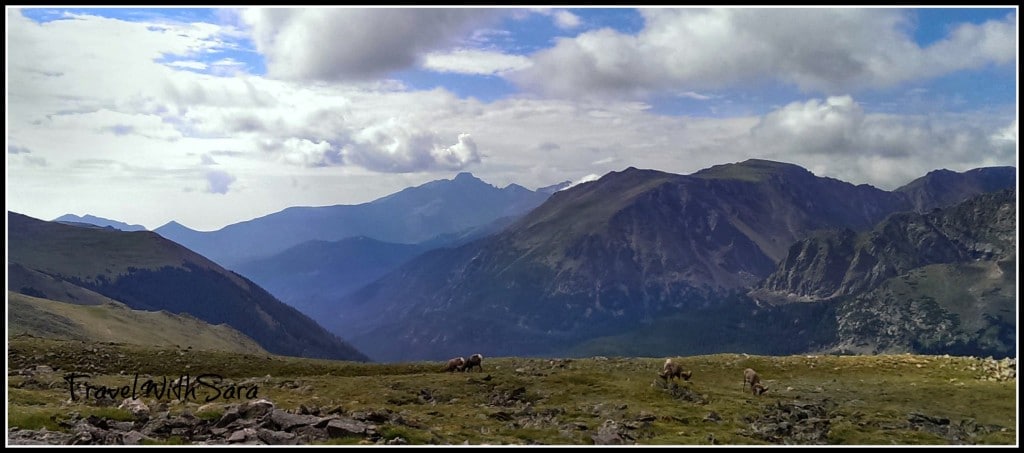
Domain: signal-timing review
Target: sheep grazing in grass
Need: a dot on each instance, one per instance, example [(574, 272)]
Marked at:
[(475, 360), (672, 370), (751, 378), (456, 364)]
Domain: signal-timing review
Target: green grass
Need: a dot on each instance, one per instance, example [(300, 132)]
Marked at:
[(873, 394), (32, 418)]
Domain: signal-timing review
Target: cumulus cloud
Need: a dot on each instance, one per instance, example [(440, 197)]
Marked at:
[(562, 19), (218, 181), (1007, 134), (394, 147), (1004, 141), (829, 126), (566, 20), (350, 143), (817, 50), (837, 138), (300, 151), (14, 149), (472, 61), (353, 43)]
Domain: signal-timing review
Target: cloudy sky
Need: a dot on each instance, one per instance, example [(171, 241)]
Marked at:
[(214, 116)]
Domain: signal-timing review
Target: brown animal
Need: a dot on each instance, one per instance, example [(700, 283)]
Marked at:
[(750, 377), (672, 370), (474, 361), (456, 364)]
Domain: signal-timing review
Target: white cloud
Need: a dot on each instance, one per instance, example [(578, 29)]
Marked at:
[(473, 61), (353, 43), (116, 123), (829, 126), (562, 19), (583, 180), (1007, 134), (396, 147), (299, 151), (566, 20), (836, 137), (218, 181), (145, 130), (695, 95), (188, 64), (817, 50)]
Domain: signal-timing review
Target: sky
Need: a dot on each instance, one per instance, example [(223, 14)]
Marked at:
[(210, 117)]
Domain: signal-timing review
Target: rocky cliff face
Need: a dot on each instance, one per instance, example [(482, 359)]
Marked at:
[(843, 263), (942, 282)]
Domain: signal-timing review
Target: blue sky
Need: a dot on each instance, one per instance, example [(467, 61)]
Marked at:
[(214, 116)]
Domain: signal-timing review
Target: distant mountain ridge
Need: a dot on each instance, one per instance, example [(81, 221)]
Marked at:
[(99, 221), (147, 272), (943, 187), (625, 250), (410, 216)]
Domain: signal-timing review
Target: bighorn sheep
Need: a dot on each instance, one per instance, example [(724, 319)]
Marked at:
[(672, 370), (750, 377), (474, 361), (456, 364)]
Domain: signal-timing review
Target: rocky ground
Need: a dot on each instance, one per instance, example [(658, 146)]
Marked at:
[(813, 400)]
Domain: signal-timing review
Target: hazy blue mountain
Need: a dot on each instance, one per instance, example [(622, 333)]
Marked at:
[(312, 275), (98, 221), (411, 216)]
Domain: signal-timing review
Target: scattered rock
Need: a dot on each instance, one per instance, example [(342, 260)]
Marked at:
[(345, 428), (612, 433), (398, 440), (138, 409), (792, 423), (964, 432)]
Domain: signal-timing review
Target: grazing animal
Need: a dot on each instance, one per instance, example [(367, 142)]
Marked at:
[(750, 377), (475, 360), (672, 370), (456, 364)]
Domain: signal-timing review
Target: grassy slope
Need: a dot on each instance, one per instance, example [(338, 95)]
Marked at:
[(115, 322), (87, 252), (874, 394)]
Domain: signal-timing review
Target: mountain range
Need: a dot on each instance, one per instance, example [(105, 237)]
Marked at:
[(89, 219), (623, 253), (414, 215), (757, 256)]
